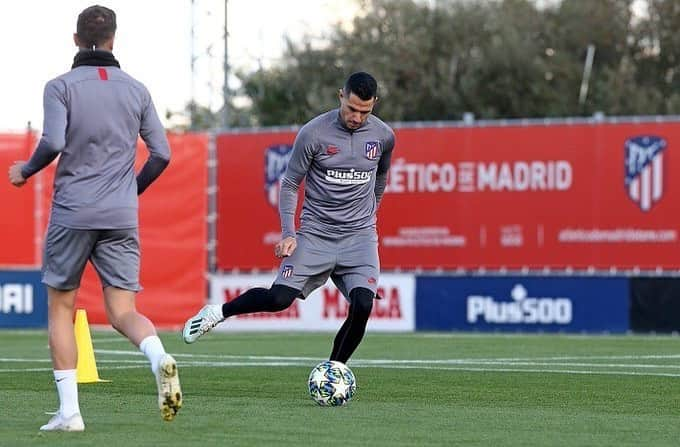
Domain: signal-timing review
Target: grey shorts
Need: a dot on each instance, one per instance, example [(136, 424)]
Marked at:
[(350, 262), (113, 253)]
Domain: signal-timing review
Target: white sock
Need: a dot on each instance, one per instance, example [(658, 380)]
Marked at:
[(153, 349), (67, 388)]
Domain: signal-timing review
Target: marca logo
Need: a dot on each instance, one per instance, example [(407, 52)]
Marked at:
[(644, 164), (276, 160), (388, 308), (521, 310), (16, 298)]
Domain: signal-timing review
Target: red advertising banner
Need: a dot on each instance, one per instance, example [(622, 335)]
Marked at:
[(565, 196), (249, 167), (17, 229)]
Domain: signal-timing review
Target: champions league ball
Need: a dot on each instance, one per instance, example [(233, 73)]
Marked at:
[(331, 384)]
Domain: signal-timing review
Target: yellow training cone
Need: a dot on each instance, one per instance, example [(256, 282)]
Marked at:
[(86, 371)]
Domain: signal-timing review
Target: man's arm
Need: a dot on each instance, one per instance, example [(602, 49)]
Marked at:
[(153, 134), (383, 168), (296, 171), (53, 138)]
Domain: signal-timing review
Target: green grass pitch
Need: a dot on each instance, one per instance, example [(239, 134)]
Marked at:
[(413, 390)]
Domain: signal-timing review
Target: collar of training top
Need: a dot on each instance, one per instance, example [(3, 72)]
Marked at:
[(97, 58), (341, 124)]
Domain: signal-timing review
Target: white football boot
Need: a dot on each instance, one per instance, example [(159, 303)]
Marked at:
[(169, 391), (206, 319), (59, 423)]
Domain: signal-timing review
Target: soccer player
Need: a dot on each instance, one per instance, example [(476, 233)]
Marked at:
[(93, 115), (344, 155)]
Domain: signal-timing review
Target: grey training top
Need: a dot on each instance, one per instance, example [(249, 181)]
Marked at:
[(93, 116), (345, 170)]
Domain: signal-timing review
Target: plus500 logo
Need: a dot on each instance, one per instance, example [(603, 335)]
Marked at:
[(16, 298), (522, 310)]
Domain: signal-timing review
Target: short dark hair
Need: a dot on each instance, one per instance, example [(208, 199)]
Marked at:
[(361, 84), (96, 25)]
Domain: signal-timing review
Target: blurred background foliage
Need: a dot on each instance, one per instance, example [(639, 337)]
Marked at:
[(496, 59)]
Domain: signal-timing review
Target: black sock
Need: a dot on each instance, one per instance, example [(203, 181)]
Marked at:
[(339, 337), (259, 299), (352, 331)]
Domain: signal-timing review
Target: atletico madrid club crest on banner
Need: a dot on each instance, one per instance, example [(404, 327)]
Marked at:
[(644, 165), (372, 150), (275, 163)]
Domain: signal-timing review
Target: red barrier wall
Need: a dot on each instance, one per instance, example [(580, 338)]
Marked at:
[(172, 232), (494, 197), (17, 230)]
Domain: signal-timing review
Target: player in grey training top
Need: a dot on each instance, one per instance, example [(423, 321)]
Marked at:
[(344, 156), (341, 167), (93, 117)]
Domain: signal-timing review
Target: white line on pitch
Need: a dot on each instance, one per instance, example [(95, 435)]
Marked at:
[(424, 361), (393, 366), (271, 360), (521, 370), (283, 360)]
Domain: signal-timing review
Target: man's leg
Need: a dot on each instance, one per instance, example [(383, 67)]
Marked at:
[(64, 354), (300, 273), (352, 331), (62, 339), (274, 299), (64, 257), (123, 316), (259, 299), (357, 272), (116, 257)]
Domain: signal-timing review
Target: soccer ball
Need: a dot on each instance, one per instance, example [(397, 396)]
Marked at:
[(331, 384)]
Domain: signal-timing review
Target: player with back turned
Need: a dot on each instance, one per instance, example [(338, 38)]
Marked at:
[(344, 157), (93, 116)]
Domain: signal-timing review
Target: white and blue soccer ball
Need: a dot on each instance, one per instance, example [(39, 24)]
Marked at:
[(332, 384)]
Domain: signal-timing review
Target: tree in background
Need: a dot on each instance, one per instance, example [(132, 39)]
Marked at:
[(655, 69), (437, 59)]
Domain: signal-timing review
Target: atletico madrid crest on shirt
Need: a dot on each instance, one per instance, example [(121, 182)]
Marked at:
[(287, 271), (372, 150), (644, 164)]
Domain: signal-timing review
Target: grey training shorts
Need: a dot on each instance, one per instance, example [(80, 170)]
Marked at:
[(351, 261), (113, 253)]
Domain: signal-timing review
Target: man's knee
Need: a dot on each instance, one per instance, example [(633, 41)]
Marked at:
[(283, 296), (361, 300)]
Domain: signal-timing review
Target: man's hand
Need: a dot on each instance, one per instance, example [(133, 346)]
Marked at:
[(285, 248), (15, 176)]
